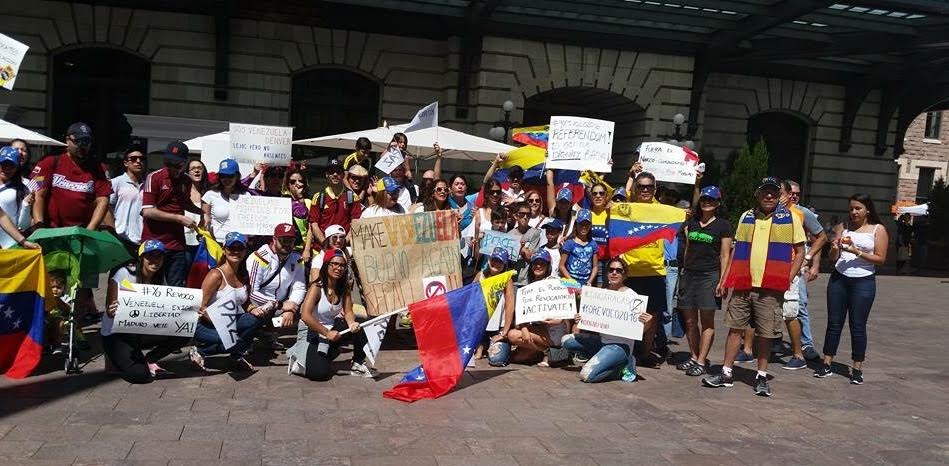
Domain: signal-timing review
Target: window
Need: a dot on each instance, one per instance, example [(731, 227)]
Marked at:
[(924, 184), (933, 121)]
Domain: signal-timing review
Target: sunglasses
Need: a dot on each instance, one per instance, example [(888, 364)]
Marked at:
[(615, 270), (337, 238), (441, 190), (134, 158), (495, 192), (522, 214), (236, 247), (286, 240), (598, 193), (222, 176), (356, 179), (295, 181), (533, 201), (794, 194), (646, 187)]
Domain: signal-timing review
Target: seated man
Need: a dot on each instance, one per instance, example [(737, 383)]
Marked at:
[(277, 284)]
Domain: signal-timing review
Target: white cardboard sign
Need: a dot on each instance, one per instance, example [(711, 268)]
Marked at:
[(224, 312), (542, 300), (668, 162), (611, 312), (390, 160), (258, 215), (494, 239), (157, 310), (11, 55), (213, 152), (260, 143), (577, 143)]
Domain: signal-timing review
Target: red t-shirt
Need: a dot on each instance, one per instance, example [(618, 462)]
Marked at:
[(335, 211), (166, 195), (72, 189)]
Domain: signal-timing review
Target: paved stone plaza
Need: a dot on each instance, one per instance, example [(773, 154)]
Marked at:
[(516, 415)]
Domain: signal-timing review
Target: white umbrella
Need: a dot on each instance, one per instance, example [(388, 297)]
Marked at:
[(454, 144), (10, 131), (196, 145)]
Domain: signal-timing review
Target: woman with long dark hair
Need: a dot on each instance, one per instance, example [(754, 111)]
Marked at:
[(298, 191), (197, 174), (859, 247), (434, 197), (14, 194)]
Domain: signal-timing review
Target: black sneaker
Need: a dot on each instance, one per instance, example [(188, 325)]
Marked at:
[(856, 377), (824, 371), (716, 381), (761, 386)]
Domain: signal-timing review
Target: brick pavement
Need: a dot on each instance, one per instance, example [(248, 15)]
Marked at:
[(516, 415)]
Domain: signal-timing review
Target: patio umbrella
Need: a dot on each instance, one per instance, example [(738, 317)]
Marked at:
[(454, 144), (10, 131), (196, 145), (95, 251)]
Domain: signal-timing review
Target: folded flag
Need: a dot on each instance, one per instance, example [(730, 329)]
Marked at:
[(206, 257), (448, 328), (24, 301), (634, 224), (531, 135)]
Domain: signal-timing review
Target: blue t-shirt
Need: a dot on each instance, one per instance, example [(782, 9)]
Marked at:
[(579, 259), (468, 214)]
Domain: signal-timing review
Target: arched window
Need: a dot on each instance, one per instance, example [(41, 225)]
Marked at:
[(328, 101), (99, 85), (786, 138)]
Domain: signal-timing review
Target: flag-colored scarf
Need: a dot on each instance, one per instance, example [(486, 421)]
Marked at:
[(777, 267)]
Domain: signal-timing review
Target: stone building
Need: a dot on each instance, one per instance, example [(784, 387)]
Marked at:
[(818, 80), (925, 158)]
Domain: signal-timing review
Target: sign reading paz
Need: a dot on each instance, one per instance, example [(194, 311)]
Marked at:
[(157, 310), (577, 143), (668, 162), (224, 312), (396, 253), (542, 300), (258, 215), (261, 144), (11, 55), (611, 312)]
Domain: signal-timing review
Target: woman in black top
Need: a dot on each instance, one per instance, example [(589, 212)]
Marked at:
[(705, 241)]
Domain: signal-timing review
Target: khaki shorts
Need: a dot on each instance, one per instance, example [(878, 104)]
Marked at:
[(759, 307)]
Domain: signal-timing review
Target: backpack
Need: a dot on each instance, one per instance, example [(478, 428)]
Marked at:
[(321, 199)]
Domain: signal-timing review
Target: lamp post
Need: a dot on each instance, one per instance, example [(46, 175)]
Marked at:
[(676, 138), (501, 127)]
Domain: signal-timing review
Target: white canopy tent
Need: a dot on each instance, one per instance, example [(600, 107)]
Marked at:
[(10, 131), (196, 145)]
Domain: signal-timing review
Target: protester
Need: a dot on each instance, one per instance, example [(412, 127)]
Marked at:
[(198, 174), (536, 203), (904, 239), (335, 239), (55, 322), (563, 211), (552, 232), (14, 196), (7, 226), (328, 310), (499, 221), (608, 357), (579, 260), (530, 240), (671, 324), (360, 156), (514, 193), (407, 193), (492, 202), (385, 200), (24, 149), (860, 246), (298, 192), (706, 241), (499, 346), (217, 201), (165, 198), (123, 351), (229, 282), (335, 205), (599, 217), (769, 250), (126, 200), (277, 279), (274, 178), (358, 182), (435, 197)]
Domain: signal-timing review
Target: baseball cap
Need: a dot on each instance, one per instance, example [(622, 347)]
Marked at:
[(501, 254), (334, 166), (620, 193), (584, 215), (10, 154), (151, 245), (284, 230), (228, 167), (334, 230), (358, 170), (80, 131), (711, 192), (176, 151), (565, 194), (541, 255), (554, 224), (769, 181), (388, 184), (234, 237)]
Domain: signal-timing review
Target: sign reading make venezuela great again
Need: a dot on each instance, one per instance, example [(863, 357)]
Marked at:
[(396, 253)]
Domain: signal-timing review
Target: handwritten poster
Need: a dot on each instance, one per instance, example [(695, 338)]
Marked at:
[(259, 143), (157, 310), (258, 215), (611, 312), (214, 151), (11, 55), (390, 160), (542, 300), (493, 239), (397, 253), (669, 162), (577, 143), (224, 312)]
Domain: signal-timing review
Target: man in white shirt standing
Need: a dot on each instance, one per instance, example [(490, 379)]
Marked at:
[(125, 202)]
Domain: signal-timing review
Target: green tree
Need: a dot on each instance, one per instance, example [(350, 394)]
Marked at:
[(738, 185)]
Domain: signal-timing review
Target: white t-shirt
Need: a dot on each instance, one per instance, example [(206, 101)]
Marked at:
[(121, 274), (405, 198), (378, 211), (220, 213), (554, 261), (18, 212), (126, 204), (326, 312)]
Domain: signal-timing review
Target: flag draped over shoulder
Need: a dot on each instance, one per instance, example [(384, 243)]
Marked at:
[(24, 300), (634, 224), (205, 258), (448, 328)]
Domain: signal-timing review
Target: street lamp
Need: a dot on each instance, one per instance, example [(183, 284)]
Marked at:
[(502, 127), (676, 138)]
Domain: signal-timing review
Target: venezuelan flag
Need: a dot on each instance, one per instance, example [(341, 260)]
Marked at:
[(531, 135), (634, 224), (448, 328), (205, 258), (24, 301)]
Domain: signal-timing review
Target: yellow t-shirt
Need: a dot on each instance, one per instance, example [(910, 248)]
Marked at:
[(648, 260), (350, 160), (759, 244)]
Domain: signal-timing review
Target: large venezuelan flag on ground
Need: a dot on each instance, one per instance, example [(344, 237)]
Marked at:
[(448, 328), (24, 300), (634, 224)]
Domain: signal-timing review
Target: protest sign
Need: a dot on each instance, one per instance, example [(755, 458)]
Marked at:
[(611, 312), (426, 117), (11, 55), (434, 286), (259, 143), (213, 151), (576, 143), (224, 312), (394, 254), (493, 239), (542, 300), (668, 162), (258, 215), (390, 160), (156, 310)]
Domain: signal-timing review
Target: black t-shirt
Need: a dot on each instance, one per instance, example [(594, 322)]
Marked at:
[(703, 253)]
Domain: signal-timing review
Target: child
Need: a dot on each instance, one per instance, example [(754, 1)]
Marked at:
[(553, 229), (579, 259), (55, 322)]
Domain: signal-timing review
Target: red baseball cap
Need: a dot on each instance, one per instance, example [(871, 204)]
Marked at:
[(284, 230)]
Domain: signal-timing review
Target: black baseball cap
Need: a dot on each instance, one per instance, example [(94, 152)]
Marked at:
[(770, 181), (176, 151), (334, 165), (80, 131)]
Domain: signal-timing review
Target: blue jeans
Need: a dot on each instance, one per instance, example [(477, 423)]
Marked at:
[(670, 318), (807, 340), (849, 299), (209, 342), (499, 353), (606, 361), (176, 267)]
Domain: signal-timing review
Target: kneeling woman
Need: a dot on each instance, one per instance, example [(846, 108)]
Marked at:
[(123, 351), (610, 357), (326, 311)]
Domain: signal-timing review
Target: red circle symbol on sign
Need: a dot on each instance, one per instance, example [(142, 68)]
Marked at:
[(434, 289)]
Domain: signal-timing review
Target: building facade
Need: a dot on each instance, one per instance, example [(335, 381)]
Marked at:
[(925, 159)]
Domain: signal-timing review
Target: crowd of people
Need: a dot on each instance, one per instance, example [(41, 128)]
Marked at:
[(304, 275)]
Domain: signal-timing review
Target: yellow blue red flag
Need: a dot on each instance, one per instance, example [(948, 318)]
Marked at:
[(24, 300), (634, 224)]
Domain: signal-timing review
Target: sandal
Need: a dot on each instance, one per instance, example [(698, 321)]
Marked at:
[(697, 369), (686, 365)]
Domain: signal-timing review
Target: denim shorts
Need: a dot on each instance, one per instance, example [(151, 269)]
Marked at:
[(697, 291)]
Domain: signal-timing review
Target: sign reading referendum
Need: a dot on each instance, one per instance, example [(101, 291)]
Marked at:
[(542, 300), (258, 215), (396, 253), (156, 310), (669, 163), (611, 312), (577, 143), (261, 144)]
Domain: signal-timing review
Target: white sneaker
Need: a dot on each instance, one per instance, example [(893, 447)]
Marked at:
[(361, 370), (293, 367)]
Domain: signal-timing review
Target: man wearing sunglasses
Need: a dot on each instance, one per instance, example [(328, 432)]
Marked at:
[(165, 198), (125, 203), (335, 205), (277, 286)]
